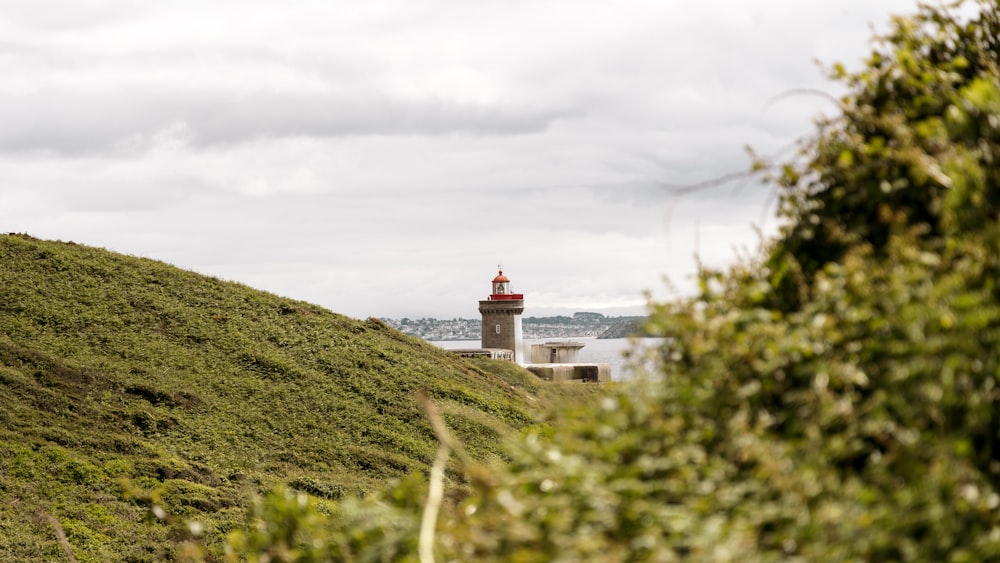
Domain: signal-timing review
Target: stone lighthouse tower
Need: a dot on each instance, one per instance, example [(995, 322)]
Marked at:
[(502, 318)]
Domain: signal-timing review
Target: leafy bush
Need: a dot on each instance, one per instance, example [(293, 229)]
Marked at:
[(835, 399), (916, 144)]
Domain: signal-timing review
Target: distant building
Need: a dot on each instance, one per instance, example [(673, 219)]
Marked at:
[(556, 352), (502, 339), (501, 313)]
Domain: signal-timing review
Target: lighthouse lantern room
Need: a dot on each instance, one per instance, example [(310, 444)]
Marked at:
[(501, 288)]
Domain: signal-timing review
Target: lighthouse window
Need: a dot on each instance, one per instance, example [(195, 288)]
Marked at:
[(498, 329)]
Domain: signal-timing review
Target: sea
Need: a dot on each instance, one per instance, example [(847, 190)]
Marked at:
[(595, 350)]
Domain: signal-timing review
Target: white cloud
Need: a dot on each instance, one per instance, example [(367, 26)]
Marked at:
[(379, 158)]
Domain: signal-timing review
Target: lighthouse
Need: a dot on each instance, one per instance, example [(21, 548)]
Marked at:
[(501, 313)]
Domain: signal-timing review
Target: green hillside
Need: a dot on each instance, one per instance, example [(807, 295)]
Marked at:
[(128, 383)]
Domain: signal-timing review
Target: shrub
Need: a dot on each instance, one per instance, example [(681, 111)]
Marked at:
[(836, 399)]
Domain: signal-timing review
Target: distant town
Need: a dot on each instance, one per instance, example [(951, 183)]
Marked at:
[(579, 325)]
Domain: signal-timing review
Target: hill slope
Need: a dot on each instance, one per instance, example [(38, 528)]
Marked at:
[(120, 374)]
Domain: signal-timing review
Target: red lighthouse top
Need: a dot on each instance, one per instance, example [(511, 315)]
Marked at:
[(501, 288)]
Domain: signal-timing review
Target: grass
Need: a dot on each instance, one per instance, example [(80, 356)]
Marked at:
[(128, 383)]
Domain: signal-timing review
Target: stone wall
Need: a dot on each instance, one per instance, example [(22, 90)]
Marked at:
[(502, 326)]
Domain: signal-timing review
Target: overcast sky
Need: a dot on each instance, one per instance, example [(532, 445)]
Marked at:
[(381, 158)]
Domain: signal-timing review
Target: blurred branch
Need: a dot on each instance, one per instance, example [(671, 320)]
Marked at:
[(802, 92), (63, 541), (435, 492)]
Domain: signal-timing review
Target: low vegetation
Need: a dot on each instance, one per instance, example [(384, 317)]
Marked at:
[(145, 406), (835, 398)]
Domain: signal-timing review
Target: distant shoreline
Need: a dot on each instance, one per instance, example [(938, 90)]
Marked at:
[(580, 325)]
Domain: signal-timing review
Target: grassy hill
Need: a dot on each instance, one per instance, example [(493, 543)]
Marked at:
[(125, 382)]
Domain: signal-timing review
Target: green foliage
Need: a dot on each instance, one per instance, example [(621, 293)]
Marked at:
[(123, 377), (877, 398), (289, 526), (916, 144), (835, 400)]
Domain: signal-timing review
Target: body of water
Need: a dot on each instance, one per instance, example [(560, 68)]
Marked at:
[(597, 351)]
